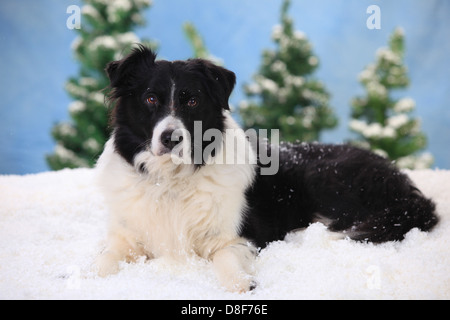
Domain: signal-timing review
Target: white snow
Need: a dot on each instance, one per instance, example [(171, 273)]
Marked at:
[(77, 106), (372, 130), (405, 105), (107, 42), (397, 121), (389, 55), (52, 226)]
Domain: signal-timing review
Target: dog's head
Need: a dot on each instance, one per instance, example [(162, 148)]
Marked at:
[(159, 103)]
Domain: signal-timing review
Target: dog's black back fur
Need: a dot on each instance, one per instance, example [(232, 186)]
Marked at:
[(348, 189)]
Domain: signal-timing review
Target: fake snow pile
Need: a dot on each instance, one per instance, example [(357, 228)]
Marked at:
[(52, 226)]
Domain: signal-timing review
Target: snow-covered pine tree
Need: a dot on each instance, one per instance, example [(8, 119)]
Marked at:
[(284, 94), (105, 35), (383, 123), (196, 41), (198, 45)]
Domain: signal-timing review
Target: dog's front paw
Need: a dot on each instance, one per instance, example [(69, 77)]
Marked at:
[(240, 284), (234, 265), (106, 264)]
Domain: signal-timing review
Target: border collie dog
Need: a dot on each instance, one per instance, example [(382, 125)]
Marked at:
[(171, 190)]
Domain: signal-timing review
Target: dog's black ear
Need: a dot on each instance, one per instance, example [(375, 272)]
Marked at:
[(221, 81), (123, 73), (226, 80), (111, 69)]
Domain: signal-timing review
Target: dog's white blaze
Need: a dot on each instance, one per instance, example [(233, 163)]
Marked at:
[(172, 98)]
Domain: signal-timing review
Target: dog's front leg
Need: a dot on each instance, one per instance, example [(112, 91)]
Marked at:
[(234, 266), (119, 248)]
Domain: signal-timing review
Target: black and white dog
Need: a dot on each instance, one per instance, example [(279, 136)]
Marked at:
[(176, 184)]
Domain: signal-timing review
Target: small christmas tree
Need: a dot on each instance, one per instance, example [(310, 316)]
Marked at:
[(287, 96), (105, 35), (384, 124), (198, 45)]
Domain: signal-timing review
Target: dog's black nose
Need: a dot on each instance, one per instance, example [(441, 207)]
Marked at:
[(170, 138)]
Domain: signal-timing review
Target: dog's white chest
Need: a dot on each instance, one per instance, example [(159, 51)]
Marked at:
[(174, 211)]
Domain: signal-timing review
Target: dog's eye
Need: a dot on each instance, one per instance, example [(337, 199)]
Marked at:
[(152, 100), (193, 102)]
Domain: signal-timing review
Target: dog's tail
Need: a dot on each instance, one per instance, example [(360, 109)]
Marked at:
[(404, 214)]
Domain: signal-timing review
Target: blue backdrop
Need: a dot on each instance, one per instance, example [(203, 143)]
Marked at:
[(36, 59)]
